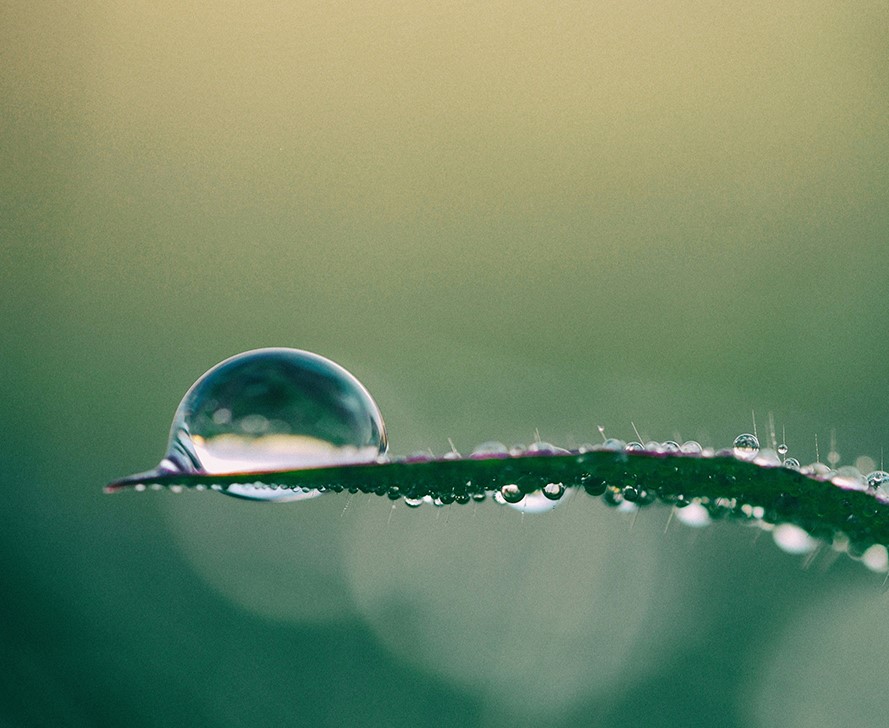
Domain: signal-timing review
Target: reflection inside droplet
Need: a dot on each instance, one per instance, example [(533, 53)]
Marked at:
[(274, 409), (746, 446)]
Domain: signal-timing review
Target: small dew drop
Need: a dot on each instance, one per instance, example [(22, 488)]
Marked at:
[(820, 471), (554, 491), (793, 539), (614, 444), (878, 481), (745, 446), (490, 449), (545, 448), (511, 493), (692, 447), (694, 515), (850, 478), (791, 464), (540, 501), (782, 449), (876, 558), (634, 447), (767, 458), (670, 446)]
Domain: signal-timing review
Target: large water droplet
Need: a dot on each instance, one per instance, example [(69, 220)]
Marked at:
[(745, 446), (274, 409)]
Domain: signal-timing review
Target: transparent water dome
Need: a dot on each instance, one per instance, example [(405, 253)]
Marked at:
[(274, 409)]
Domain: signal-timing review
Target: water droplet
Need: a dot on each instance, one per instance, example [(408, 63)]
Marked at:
[(878, 480), (818, 470), (767, 458), (670, 446), (791, 463), (413, 502), (694, 515), (634, 447), (692, 447), (850, 478), (782, 449), (653, 446), (614, 444), (511, 493), (876, 558), (745, 446), (793, 539), (593, 485), (490, 449), (274, 409), (553, 491)]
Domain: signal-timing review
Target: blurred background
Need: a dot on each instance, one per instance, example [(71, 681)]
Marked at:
[(502, 218)]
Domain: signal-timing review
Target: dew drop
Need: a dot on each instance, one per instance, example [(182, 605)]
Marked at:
[(850, 478), (745, 446), (670, 446), (274, 409), (793, 539), (878, 482), (541, 501), (694, 515), (692, 447), (634, 447), (614, 444), (511, 493), (876, 558), (782, 449), (767, 458), (490, 449), (791, 463)]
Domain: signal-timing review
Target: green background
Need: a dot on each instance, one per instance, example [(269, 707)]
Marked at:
[(502, 218)]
